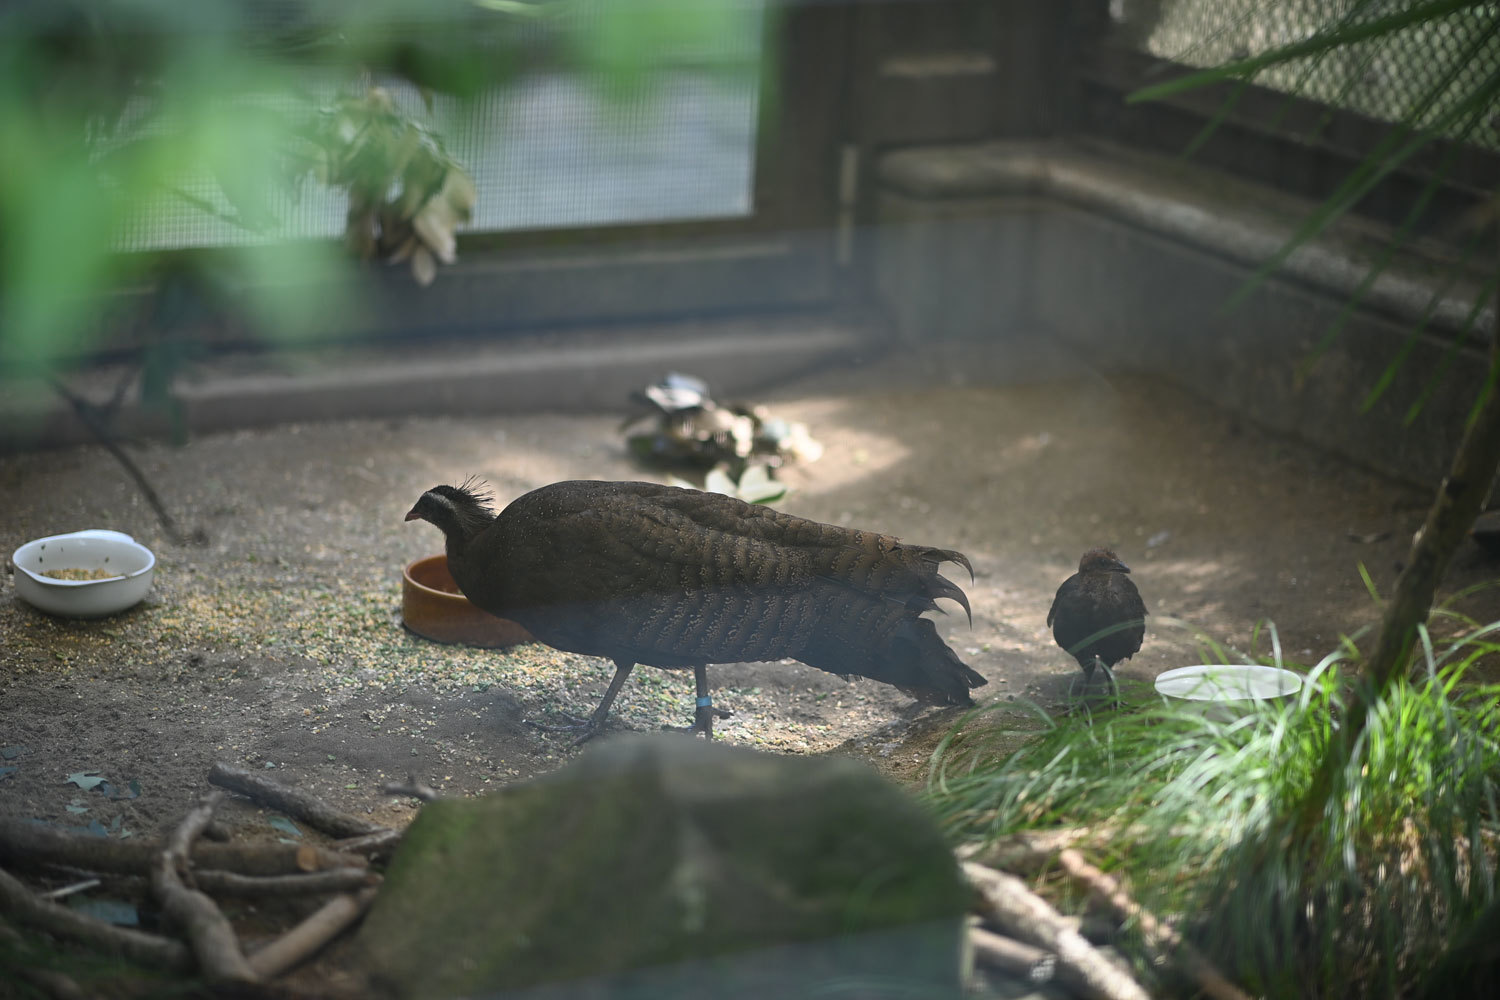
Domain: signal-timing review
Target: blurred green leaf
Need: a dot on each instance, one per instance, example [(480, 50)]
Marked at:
[(294, 289), (516, 7), (57, 222), (623, 43)]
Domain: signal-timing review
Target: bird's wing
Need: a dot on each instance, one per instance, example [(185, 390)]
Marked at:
[(1068, 586), (1127, 597), (643, 538), (629, 549)]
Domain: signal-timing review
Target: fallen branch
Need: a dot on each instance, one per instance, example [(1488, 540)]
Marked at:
[(1013, 957), (292, 801), (411, 787), (1026, 852), (212, 937), (135, 946), (1029, 850), (32, 843), (333, 880), (371, 844), (1159, 938), (1023, 914), (307, 938)]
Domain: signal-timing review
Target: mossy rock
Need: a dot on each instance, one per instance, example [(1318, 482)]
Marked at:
[(661, 853)]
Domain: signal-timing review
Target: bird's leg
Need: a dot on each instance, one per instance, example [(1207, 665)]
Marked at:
[(1114, 685), (1087, 667), (1073, 687), (596, 721), (1094, 663), (704, 713), (595, 724)]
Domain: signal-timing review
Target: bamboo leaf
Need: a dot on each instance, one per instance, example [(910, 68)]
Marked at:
[(1414, 334), (1451, 353), (1489, 382), (1316, 62), (1389, 155), (1220, 115), (1403, 233)]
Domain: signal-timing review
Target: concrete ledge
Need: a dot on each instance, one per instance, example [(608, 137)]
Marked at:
[(1130, 260), (576, 370), (1239, 220)]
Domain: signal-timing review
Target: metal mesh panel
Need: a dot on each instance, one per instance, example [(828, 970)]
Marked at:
[(193, 212), (1383, 78), (547, 150)]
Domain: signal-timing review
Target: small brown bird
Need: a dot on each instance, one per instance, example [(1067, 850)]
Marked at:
[(1098, 615), (676, 578)]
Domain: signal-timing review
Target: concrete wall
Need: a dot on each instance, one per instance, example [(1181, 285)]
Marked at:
[(1132, 261), (1141, 302), (950, 270)]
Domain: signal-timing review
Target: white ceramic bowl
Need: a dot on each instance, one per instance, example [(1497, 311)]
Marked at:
[(1226, 690), (89, 550)]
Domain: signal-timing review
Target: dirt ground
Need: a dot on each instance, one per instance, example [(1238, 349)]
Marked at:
[(278, 646)]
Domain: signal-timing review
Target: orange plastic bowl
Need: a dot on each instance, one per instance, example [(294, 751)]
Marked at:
[(433, 607)]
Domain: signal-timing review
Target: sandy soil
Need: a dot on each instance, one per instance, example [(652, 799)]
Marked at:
[(278, 644)]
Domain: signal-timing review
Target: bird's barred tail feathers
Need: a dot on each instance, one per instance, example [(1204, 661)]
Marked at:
[(922, 665)]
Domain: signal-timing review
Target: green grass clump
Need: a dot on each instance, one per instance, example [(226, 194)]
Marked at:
[(1356, 896)]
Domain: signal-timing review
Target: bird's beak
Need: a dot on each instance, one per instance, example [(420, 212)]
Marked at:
[(1118, 564), (412, 515)]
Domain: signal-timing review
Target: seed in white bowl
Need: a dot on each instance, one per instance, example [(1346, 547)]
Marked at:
[(81, 574)]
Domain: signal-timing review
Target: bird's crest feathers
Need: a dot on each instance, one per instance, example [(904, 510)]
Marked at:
[(476, 493), (1101, 559)]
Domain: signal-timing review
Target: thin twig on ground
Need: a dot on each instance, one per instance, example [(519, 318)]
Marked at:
[(68, 890), (293, 801), (88, 414), (212, 937), (1025, 915), (33, 844), (311, 935), (136, 946), (1159, 938)]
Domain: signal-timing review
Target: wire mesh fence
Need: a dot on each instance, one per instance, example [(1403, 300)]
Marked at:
[(1430, 68), (550, 148)]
